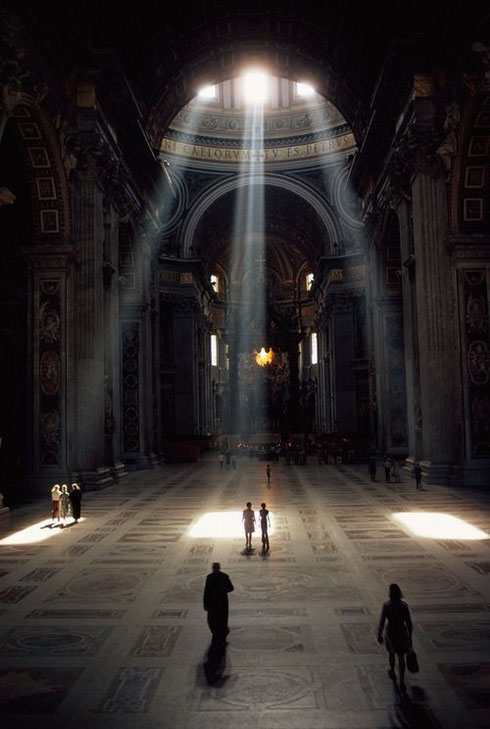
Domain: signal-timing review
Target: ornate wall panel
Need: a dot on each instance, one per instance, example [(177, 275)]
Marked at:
[(130, 386), (476, 358), (51, 372)]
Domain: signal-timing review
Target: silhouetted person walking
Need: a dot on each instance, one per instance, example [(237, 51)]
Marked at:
[(398, 634), (215, 599), (372, 468), (264, 525), (268, 472), (76, 501), (417, 474), (387, 466)]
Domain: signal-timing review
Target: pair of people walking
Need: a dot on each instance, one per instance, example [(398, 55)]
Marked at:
[(248, 519)]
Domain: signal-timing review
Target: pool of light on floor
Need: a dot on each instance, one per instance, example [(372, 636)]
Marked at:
[(35, 533), (224, 525), (438, 526)]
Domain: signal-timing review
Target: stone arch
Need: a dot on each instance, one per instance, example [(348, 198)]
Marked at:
[(216, 51), (216, 191), (42, 154)]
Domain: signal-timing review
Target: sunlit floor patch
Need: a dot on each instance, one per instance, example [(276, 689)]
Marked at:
[(438, 526), (38, 532), (223, 524)]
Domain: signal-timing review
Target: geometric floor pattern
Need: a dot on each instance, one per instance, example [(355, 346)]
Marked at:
[(102, 625)]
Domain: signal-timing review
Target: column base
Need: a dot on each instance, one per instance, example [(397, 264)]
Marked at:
[(119, 470), (96, 479), (471, 474), (140, 461)]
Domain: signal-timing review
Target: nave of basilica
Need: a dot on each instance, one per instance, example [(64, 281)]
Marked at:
[(258, 231), (180, 192)]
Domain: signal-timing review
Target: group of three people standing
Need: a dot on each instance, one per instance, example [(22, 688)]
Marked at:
[(64, 502)]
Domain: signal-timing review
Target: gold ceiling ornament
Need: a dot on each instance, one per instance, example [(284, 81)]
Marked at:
[(264, 358)]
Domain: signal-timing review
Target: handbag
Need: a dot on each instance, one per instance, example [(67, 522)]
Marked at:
[(412, 662)]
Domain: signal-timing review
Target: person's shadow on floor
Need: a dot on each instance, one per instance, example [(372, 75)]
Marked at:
[(215, 664), (413, 712)]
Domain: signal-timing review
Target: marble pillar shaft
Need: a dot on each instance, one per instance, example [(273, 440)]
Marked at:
[(435, 296), (89, 322)]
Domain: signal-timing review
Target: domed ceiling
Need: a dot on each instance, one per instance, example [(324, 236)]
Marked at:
[(297, 125)]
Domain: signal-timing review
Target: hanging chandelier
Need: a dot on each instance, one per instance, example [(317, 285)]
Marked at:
[(264, 358)]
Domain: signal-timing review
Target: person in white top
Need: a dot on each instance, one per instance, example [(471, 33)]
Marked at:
[(55, 502)]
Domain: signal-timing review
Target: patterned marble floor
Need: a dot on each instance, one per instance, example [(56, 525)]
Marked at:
[(102, 624)]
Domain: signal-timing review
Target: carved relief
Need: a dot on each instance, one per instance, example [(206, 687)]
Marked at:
[(130, 365), (476, 343), (50, 371)]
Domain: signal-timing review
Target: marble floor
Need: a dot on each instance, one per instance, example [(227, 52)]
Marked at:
[(102, 625)]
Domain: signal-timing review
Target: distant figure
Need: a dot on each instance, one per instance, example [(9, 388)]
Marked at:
[(215, 599), (395, 471), (268, 472), (76, 501), (233, 461), (387, 465), (417, 474), (372, 468), (64, 502), (398, 634), (248, 519), (55, 502), (221, 461), (265, 523)]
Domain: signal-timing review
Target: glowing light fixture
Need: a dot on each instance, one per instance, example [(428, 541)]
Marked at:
[(221, 525), (264, 358), (255, 86), (438, 526), (208, 92), (304, 90), (33, 534)]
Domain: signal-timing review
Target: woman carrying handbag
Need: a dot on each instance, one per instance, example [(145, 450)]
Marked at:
[(398, 634)]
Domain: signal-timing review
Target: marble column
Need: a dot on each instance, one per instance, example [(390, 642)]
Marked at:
[(438, 350), (411, 344), (88, 443), (345, 380), (136, 386), (390, 370)]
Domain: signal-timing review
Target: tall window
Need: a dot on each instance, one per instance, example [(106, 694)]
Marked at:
[(214, 282), (310, 277), (208, 92), (314, 348), (214, 350)]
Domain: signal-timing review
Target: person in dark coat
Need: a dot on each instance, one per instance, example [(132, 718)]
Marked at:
[(398, 634), (76, 501), (417, 474), (372, 468), (215, 599)]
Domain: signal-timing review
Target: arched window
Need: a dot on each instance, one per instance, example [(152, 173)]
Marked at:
[(214, 282), (214, 350), (314, 348)]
